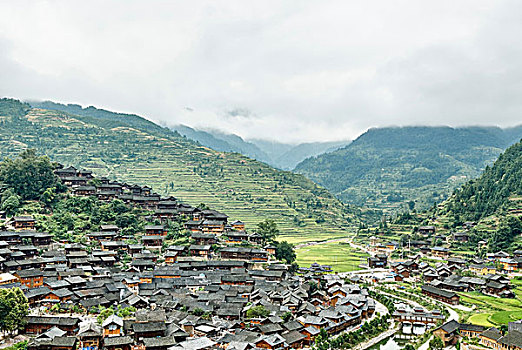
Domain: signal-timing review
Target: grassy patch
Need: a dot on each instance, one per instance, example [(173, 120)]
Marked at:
[(504, 317), (341, 257), (480, 320)]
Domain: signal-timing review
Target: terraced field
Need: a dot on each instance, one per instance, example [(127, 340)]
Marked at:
[(339, 255), (491, 311), (241, 187)]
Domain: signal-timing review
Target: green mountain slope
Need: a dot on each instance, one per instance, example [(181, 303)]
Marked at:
[(148, 154), (387, 167), (497, 191)]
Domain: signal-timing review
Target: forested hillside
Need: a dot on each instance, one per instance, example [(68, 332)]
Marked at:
[(144, 153), (390, 168), (497, 190)]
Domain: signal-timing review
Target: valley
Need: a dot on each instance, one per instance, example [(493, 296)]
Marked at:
[(461, 254)]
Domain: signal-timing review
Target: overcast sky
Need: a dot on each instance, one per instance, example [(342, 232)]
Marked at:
[(285, 70)]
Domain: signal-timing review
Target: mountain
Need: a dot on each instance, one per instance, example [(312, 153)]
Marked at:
[(497, 191), (277, 154), (289, 159), (386, 168), (287, 156), (223, 142), (135, 150)]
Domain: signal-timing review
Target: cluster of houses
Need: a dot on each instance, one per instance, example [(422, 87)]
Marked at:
[(190, 305), (482, 338), (442, 281), (194, 296)]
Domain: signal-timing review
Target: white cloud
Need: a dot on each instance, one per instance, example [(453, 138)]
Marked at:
[(306, 70)]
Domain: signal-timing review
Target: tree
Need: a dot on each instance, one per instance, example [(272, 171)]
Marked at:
[(257, 311), (268, 230), (13, 309), (48, 197), (285, 251), (286, 316), (436, 343), (198, 311), (29, 175), (10, 202), (510, 227)]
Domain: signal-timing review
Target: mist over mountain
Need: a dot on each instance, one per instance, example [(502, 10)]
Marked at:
[(278, 154)]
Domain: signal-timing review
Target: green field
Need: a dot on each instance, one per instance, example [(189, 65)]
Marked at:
[(491, 311), (480, 320), (340, 256)]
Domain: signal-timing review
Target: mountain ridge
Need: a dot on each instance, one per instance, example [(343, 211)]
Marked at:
[(386, 168)]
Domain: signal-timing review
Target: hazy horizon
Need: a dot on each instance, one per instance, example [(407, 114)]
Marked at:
[(268, 139)]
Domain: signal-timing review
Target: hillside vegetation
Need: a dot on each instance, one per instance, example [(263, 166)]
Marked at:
[(387, 168), (498, 188), (143, 153)]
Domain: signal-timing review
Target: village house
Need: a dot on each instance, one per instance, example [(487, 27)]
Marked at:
[(442, 295), (426, 230), (450, 332), (482, 269), (378, 261), (440, 252), (31, 278), (24, 223), (155, 230)]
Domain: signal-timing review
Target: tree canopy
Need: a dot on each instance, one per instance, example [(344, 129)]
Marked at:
[(285, 252), (13, 309), (268, 230), (29, 175), (257, 311)]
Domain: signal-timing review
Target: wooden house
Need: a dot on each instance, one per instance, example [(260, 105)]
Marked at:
[(24, 223), (236, 237), (32, 278), (213, 226), (149, 329), (84, 191), (378, 261), (71, 181), (155, 230), (238, 225), (203, 238), (200, 250), (442, 295), (40, 324), (426, 230), (55, 343), (118, 343), (272, 342), (112, 326), (153, 241), (440, 252), (90, 335)]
